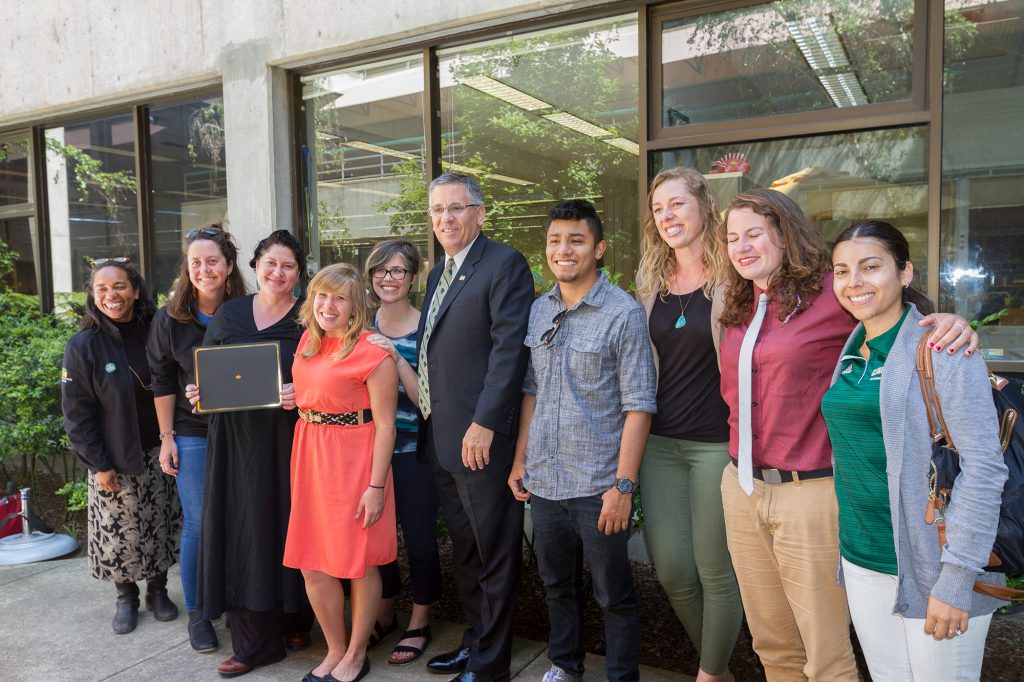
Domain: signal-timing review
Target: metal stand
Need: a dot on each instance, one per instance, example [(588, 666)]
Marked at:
[(33, 545)]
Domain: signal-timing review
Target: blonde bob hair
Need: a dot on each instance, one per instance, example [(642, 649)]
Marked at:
[(344, 279), (657, 266)]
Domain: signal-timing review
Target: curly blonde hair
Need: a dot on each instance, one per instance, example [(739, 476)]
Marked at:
[(340, 278), (657, 266), (805, 258)]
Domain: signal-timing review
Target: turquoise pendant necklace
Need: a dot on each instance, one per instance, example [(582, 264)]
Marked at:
[(681, 320)]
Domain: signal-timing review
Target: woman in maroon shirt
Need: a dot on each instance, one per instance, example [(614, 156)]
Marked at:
[(784, 331)]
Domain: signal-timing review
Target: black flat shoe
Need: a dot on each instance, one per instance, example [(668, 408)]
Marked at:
[(417, 652), (449, 662), (363, 672), (310, 677)]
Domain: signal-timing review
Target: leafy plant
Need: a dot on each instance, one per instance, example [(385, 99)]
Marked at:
[(112, 186), (206, 132), (77, 492), (988, 319)]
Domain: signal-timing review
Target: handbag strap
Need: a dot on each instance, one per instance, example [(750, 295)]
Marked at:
[(926, 375)]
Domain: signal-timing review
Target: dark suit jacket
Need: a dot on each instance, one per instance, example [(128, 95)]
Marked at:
[(475, 356)]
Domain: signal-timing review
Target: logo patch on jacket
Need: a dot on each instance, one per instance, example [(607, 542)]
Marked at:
[(110, 367), (876, 374), (64, 378)]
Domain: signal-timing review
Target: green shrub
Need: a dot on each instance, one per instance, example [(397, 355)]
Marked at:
[(77, 493), (31, 426)]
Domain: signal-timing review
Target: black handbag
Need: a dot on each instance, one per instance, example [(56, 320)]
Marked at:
[(1008, 394)]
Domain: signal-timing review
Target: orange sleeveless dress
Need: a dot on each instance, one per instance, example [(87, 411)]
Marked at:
[(330, 468)]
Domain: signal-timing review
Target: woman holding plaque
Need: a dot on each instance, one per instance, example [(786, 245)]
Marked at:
[(342, 521), (207, 277), (246, 500), (107, 401)]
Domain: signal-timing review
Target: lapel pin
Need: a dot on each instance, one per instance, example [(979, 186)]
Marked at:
[(462, 277)]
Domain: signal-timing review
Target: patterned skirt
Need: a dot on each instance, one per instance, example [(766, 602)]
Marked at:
[(134, 533)]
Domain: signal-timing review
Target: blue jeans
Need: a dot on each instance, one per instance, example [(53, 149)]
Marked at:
[(191, 476), (565, 532)]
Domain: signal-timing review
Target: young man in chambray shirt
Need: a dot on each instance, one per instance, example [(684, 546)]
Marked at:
[(588, 398)]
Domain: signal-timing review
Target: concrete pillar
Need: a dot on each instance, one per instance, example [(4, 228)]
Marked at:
[(256, 146)]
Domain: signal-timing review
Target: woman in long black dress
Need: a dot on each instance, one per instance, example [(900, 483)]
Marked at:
[(134, 516), (247, 500)]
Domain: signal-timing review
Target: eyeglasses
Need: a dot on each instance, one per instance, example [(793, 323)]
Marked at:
[(208, 231), (397, 274), (556, 322), (103, 262), (454, 209)]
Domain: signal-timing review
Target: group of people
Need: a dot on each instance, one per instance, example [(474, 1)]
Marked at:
[(760, 391)]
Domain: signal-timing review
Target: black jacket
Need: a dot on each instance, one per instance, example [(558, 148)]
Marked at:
[(173, 367), (98, 400)]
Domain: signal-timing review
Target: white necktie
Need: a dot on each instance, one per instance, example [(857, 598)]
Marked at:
[(746, 358)]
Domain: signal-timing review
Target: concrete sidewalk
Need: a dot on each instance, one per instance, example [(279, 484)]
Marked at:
[(56, 626)]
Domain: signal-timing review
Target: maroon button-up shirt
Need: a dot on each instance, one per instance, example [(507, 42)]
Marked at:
[(792, 367)]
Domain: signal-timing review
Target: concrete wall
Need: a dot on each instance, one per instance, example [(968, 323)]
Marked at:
[(64, 57)]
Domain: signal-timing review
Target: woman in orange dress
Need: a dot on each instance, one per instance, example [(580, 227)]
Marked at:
[(342, 522)]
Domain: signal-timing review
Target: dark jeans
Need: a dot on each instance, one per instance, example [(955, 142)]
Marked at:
[(565, 531), (416, 505)]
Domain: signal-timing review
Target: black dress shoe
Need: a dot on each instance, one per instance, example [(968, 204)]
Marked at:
[(449, 662), (469, 676)]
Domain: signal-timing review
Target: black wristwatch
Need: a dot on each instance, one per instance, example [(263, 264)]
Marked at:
[(625, 486)]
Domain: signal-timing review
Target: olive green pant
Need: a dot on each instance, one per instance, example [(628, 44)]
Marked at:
[(680, 493)]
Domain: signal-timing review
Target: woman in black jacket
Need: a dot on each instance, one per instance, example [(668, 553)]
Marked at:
[(106, 396), (207, 276)]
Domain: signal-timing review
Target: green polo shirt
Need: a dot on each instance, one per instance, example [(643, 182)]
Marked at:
[(854, 419)]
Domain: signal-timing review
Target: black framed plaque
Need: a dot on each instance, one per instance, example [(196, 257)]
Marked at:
[(243, 376)]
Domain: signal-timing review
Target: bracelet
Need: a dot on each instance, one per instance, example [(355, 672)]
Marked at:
[(167, 434), (377, 487)]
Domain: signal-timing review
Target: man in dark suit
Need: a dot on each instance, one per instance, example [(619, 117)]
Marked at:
[(471, 366)]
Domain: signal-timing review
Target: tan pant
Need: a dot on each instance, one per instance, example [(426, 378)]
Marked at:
[(784, 542)]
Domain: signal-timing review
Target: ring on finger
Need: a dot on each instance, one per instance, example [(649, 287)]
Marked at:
[(958, 326)]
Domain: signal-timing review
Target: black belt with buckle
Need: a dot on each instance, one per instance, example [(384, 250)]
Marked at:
[(345, 419), (769, 475)]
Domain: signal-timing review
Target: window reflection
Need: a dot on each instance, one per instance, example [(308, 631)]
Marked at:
[(14, 171), (784, 57), (983, 170), (19, 235), (836, 179), (90, 170), (187, 174), (543, 117), (365, 177)]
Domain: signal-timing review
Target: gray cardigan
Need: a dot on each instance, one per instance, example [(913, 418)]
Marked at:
[(966, 398)]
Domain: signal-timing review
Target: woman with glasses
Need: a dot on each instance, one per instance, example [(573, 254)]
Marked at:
[(107, 400), (207, 277), (391, 268), (342, 523), (689, 443), (247, 497)]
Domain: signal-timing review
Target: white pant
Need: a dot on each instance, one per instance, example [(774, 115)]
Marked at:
[(897, 648)]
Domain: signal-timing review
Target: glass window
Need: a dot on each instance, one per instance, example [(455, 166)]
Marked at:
[(90, 171), (784, 57), (547, 116), (983, 170), (836, 179), (187, 174), (19, 234), (15, 187), (366, 178)]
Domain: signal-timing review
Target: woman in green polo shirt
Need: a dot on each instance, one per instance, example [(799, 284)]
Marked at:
[(911, 600)]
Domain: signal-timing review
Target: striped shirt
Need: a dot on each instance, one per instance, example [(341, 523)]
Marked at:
[(407, 417)]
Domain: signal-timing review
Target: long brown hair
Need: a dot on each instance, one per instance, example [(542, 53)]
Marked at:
[(657, 266), (805, 258), (184, 300), (336, 278)]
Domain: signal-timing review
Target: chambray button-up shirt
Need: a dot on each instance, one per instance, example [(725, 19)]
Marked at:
[(597, 368)]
